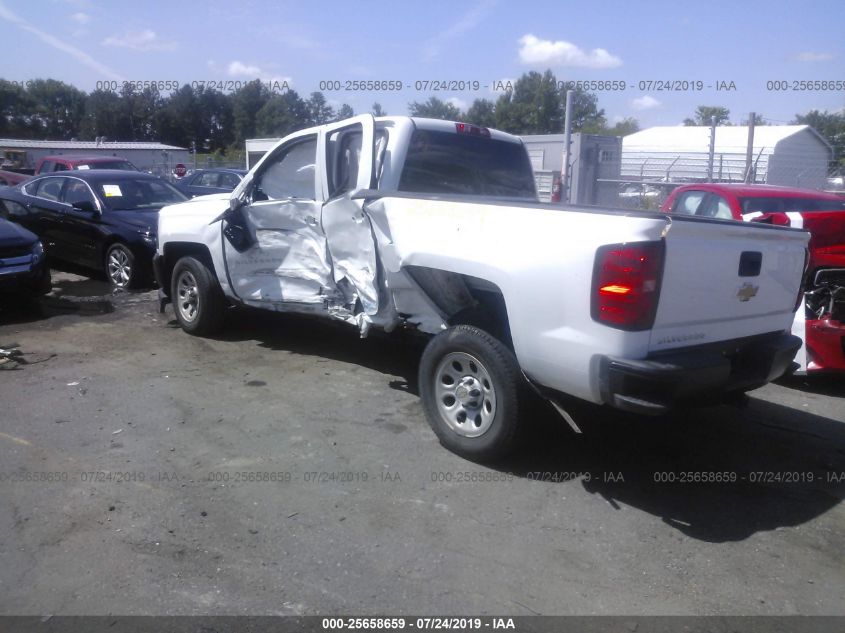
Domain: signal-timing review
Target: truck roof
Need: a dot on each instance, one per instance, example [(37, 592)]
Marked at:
[(439, 125)]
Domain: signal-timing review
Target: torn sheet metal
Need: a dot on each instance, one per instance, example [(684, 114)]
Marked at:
[(288, 261), (352, 248)]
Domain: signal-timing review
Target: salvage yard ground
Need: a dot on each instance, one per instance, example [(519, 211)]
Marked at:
[(286, 467)]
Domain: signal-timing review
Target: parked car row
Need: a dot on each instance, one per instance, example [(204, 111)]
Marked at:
[(23, 267), (101, 219)]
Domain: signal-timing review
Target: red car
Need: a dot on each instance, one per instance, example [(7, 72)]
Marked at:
[(822, 323), (11, 178), (67, 162)]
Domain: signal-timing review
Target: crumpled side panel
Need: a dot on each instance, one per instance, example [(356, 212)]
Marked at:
[(353, 251), (288, 261)]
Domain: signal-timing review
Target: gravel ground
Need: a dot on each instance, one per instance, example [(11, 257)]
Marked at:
[(285, 467)]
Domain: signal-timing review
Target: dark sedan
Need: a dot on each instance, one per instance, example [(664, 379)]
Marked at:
[(205, 181), (104, 219), (23, 271)]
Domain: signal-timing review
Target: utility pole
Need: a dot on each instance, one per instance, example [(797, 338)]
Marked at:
[(567, 141), (712, 152), (749, 149)]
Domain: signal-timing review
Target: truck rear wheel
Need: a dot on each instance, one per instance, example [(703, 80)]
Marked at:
[(470, 382), (197, 299)]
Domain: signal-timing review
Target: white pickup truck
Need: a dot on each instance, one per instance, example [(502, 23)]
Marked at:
[(415, 223)]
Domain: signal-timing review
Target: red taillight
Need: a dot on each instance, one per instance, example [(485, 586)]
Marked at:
[(474, 130), (626, 284)]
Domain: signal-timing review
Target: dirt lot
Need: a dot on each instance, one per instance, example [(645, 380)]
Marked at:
[(286, 468)]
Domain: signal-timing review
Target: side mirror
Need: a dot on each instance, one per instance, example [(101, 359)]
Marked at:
[(85, 205)]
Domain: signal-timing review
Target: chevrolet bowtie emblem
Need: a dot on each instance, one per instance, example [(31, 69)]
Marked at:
[(746, 291)]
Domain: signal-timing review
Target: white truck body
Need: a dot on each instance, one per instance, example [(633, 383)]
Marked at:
[(376, 256)]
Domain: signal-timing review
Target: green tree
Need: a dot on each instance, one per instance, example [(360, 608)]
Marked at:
[(345, 112), (15, 111), (703, 115), (482, 112), (378, 110), (216, 120), (58, 109), (141, 113), (624, 127), (179, 120), (587, 117), (282, 114), (434, 108), (533, 107), (831, 125), (103, 116), (246, 103), (319, 112)]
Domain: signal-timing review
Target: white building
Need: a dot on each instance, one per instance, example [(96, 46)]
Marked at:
[(790, 155)]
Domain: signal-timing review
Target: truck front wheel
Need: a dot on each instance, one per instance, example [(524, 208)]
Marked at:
[(197, 299), (470, 382)]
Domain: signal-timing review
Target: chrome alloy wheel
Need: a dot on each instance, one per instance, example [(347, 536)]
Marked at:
[(187, 299), (120, 268), (466, 399)]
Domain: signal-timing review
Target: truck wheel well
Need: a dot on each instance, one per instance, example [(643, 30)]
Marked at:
[(465, 300), (490, 314), (174, 251)]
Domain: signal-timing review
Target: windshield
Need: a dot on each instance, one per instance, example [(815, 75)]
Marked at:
[(137, 193), (111, 164), (443, 162), (787, 205)]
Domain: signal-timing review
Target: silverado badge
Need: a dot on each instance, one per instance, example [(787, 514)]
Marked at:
[(746, 291)]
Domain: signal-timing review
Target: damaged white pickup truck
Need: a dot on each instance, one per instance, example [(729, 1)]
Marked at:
[(413, 223)]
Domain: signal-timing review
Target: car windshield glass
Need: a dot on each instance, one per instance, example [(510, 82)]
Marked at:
[(443, 162), (774, 204), (137, 193), (112, 164)]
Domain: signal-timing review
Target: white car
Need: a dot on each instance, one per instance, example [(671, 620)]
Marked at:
[(401, 222)]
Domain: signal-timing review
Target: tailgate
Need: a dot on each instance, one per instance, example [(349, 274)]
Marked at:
[(724, 280)]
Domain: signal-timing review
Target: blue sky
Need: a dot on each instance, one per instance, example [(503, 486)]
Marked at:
[(748, 43)]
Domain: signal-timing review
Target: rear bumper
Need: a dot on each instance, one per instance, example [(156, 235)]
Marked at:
[(825, 343), (704, 374)]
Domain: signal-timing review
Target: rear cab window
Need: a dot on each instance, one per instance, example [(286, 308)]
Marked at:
[(446, 162), (688, 202)]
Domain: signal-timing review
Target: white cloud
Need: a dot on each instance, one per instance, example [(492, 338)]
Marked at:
[(646, 102), (145, 40), (533, 50), (460, 104), (238, 69), (81, 18), (251, 71), (80, 56), (809, 56), (467, 22)]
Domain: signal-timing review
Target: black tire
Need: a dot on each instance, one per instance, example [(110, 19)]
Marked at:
[(121, 268), (468, 356), (193, 285)]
